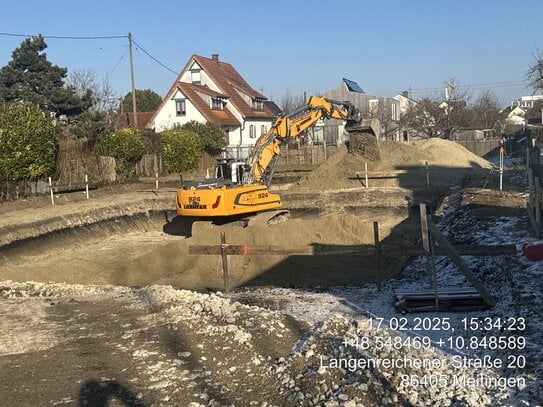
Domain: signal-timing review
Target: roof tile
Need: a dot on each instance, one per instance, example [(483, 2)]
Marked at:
[(222, 117)]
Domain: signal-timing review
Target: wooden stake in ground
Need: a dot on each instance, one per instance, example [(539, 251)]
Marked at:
[(224, 257), (51, 190), (455, 257), (427, 178), (425, 239), (433, 267), (377, 253)]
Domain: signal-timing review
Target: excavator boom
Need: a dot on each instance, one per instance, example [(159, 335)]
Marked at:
[(250, 191)]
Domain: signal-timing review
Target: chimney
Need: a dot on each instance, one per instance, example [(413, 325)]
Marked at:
[(405, 94), (215, 57)]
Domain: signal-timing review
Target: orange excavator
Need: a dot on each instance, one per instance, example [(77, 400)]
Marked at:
[(241, 188)]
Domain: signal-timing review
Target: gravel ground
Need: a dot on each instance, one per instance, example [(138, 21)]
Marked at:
[(110, 345)]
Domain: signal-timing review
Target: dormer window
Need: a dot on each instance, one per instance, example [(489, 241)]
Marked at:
[(258, 104), (216, 104)]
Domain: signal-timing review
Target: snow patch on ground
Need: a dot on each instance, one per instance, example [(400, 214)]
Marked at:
[(15, 319)]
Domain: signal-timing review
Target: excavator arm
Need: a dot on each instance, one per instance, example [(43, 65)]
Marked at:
[(221, 198), (285, 127)]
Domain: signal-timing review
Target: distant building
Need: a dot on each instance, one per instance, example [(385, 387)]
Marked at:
[(514, 115), (386, 109), (526, 102), (126, 119), (535, 114), (405, 103), (208, 89)]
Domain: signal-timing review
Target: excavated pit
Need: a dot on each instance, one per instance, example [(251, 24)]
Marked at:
[(150, 249), (331, 206)]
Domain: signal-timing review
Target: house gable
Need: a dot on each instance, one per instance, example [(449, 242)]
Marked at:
[(214, 91), (232, 84)]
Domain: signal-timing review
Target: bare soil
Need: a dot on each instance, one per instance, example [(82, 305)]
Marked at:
[(129, 236), (98, 335)]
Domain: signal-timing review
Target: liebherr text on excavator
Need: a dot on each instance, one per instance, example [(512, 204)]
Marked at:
[(243, 188)]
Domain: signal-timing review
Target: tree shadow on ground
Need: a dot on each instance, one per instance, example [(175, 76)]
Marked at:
[(98, 393)]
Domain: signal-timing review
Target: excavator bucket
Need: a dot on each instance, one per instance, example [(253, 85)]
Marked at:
[(364, 139)]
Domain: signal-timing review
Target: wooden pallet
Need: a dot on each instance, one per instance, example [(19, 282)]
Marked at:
[(449, 299)]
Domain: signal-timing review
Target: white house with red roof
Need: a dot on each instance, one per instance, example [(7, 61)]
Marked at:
[(208, 89)]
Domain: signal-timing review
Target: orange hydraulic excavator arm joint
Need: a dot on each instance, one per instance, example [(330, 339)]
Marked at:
[(292, 125)]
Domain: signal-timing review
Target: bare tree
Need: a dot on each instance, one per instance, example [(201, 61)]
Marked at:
[(82, 80), (383, 112), (486, 111), (104, 99), (535, 73), (290, 102), (437, 118)]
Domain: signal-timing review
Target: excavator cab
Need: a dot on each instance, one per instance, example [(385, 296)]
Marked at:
[(230, 169)]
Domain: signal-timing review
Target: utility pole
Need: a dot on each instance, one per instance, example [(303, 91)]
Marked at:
[(134, 108)]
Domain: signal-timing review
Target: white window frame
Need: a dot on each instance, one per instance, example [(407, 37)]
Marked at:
[(196, 76), (182, 103), (216, 104), (252, 131), (258, 104)]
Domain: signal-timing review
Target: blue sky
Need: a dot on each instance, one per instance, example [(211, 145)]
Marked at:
[(301, 46)]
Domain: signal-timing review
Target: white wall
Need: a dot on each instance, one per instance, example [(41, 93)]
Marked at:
[(166, 118), (245, 133)]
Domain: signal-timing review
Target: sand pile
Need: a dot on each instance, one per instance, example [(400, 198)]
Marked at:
[(339, 171)]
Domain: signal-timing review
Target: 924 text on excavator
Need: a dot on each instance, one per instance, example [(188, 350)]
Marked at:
[(243, 188)]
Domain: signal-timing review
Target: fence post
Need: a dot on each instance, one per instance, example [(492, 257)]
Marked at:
[(87, 185), (224, 257), (286, 152), (51, 191), (156, 182), (433, 277), (427, 178), (501, 168), (377, 253), (537, 204), (528, 164), (325, 155), (366, 170)]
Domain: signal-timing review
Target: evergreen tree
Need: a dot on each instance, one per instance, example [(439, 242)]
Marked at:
[(30, 77), (146, 101)]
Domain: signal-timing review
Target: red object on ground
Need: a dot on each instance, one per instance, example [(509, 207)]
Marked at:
[(533, 251)]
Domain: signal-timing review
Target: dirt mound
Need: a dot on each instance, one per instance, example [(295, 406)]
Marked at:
[(340, 170), (451, 154)]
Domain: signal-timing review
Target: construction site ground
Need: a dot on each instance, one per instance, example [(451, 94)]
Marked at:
[(101, 304)]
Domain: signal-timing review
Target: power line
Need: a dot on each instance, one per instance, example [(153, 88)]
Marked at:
[(67, 37), (118, 62), (475, 86), (154, 59)]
